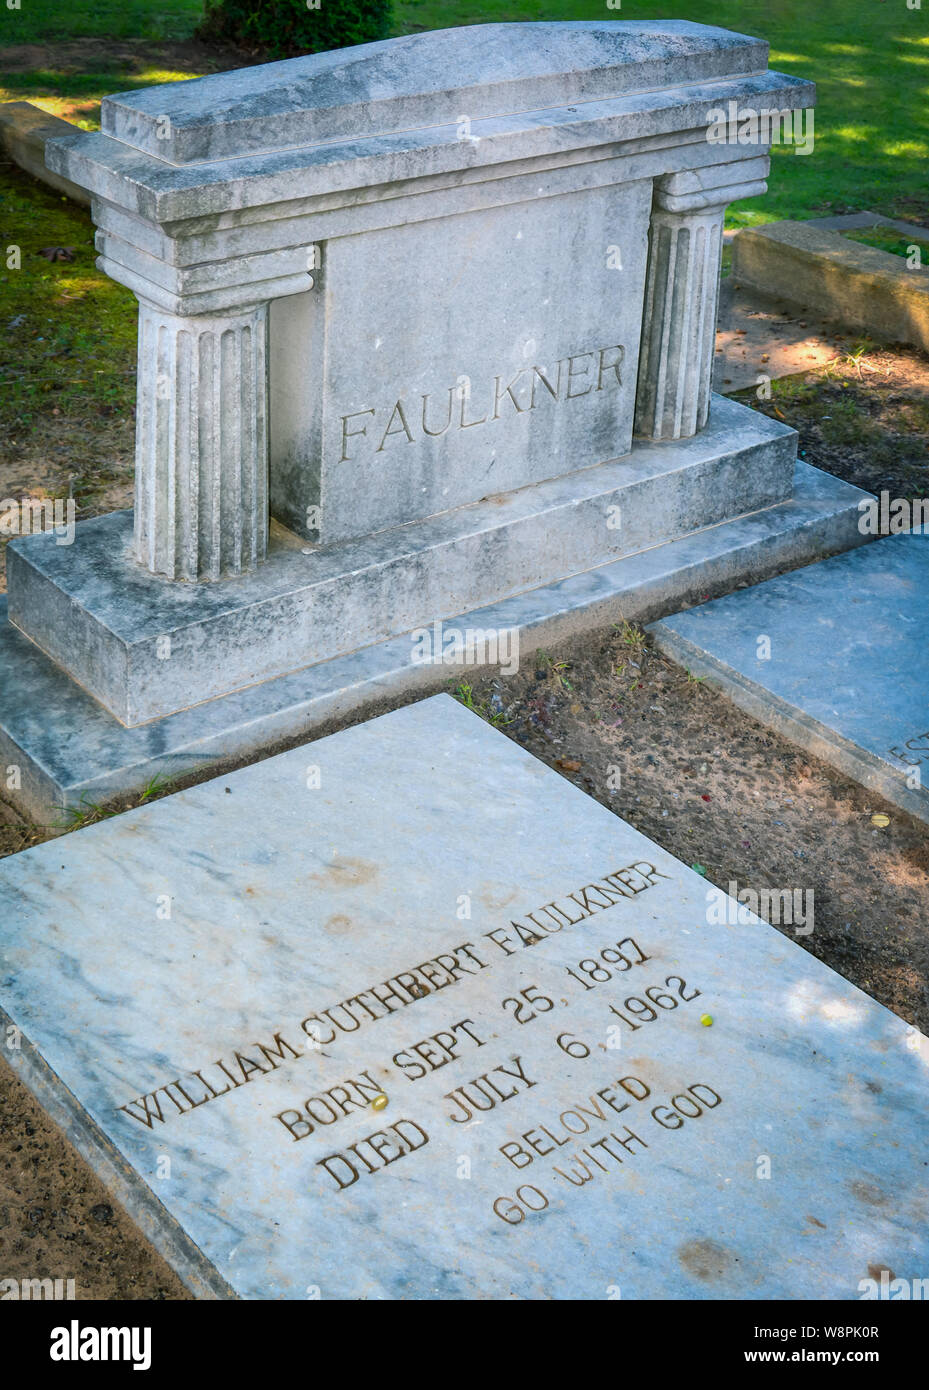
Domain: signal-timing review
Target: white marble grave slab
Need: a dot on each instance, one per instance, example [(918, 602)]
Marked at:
[(213, 989)]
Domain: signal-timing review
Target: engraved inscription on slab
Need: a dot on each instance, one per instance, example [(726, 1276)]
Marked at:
[(403, 1014), (589, 1131)]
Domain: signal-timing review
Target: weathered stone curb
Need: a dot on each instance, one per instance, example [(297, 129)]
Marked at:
[(816, 267), (24, 129)]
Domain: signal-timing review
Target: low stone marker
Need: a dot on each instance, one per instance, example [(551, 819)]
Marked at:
[(863, 287), (425, 332), (405, 1015), (25, 130), (833, 656)]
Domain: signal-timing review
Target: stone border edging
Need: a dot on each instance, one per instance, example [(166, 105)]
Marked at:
[(24, 130), (813, 265)]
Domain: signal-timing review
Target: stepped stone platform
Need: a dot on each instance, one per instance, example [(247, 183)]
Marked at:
[(74, 751)]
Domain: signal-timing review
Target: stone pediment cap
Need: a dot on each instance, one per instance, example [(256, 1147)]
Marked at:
[(420, 81)]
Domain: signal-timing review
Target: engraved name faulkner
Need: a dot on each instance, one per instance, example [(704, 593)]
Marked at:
[(602, 973), (456, 408)]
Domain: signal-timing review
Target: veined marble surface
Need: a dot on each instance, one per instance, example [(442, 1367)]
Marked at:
[(175, 951), (834, 656)]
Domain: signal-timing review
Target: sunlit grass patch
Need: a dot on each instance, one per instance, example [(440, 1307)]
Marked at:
[(53, 357)]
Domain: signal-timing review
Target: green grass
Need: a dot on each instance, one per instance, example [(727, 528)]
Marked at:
[(76, 96), (463, 692), (886, 239), (88, 812), (74, 90), (870, 61), (40, 21), (67, 332)]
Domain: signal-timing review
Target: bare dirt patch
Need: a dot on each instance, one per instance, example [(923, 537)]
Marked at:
[(57, 1220), (133, 56), (865, 418)]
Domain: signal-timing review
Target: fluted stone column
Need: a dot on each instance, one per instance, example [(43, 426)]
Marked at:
[(679, 326), (201, 499), (682, 294)]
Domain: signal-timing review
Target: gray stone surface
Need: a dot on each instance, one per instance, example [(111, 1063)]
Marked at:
[(860, 221), (682, 293), (25, 129), (70, 749), (420, 81), (635, 1100), (106, 620), (451, 231), (848, 672), (201, 496), (542, 88)]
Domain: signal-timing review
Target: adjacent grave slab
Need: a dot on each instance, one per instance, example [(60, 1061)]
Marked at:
[(848, 672), (863, 221), (213, 992), (71, 750), (818, 268)]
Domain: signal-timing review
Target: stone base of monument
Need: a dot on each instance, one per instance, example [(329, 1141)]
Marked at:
[(326, 1036), (834, 657), (146, 647), (116, 676)]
